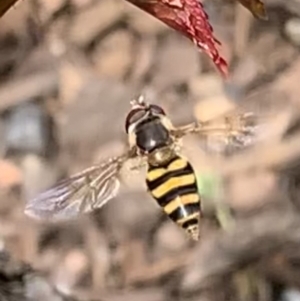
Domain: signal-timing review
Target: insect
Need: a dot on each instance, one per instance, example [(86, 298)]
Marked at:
[(170, 178)]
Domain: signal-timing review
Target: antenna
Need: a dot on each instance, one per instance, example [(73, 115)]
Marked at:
[(139, 102)]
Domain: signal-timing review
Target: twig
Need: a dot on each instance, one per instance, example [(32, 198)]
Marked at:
[(242, 30), (274, 155), (159, 269), (20, 90), (19, 282), (250, 240)]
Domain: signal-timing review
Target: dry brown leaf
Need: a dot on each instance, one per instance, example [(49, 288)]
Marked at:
[(5, 5), (256, 7)]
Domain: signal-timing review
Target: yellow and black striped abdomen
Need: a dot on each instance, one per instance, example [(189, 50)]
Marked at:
[(174, 186)]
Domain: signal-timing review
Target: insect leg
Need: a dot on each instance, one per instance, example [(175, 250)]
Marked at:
[(231, 126), (198, 127), (181, 131), (140, 164)]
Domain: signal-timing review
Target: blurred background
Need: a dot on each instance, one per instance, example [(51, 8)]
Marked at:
[(68, 70)]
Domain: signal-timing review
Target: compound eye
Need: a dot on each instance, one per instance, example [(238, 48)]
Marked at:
[(157, 110), (134, 116)]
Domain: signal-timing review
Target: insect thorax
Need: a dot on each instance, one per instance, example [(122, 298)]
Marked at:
[(153, 140), (161, 155), (151, 134)]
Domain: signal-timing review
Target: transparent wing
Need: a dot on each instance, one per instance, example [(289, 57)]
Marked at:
[(81, 193), (230, 133), (224, 133), (254, 119)]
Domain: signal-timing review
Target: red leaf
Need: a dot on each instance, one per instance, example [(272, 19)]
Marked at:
[(189, 18)]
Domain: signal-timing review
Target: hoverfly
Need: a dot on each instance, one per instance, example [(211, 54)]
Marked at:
[(170, 178)]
